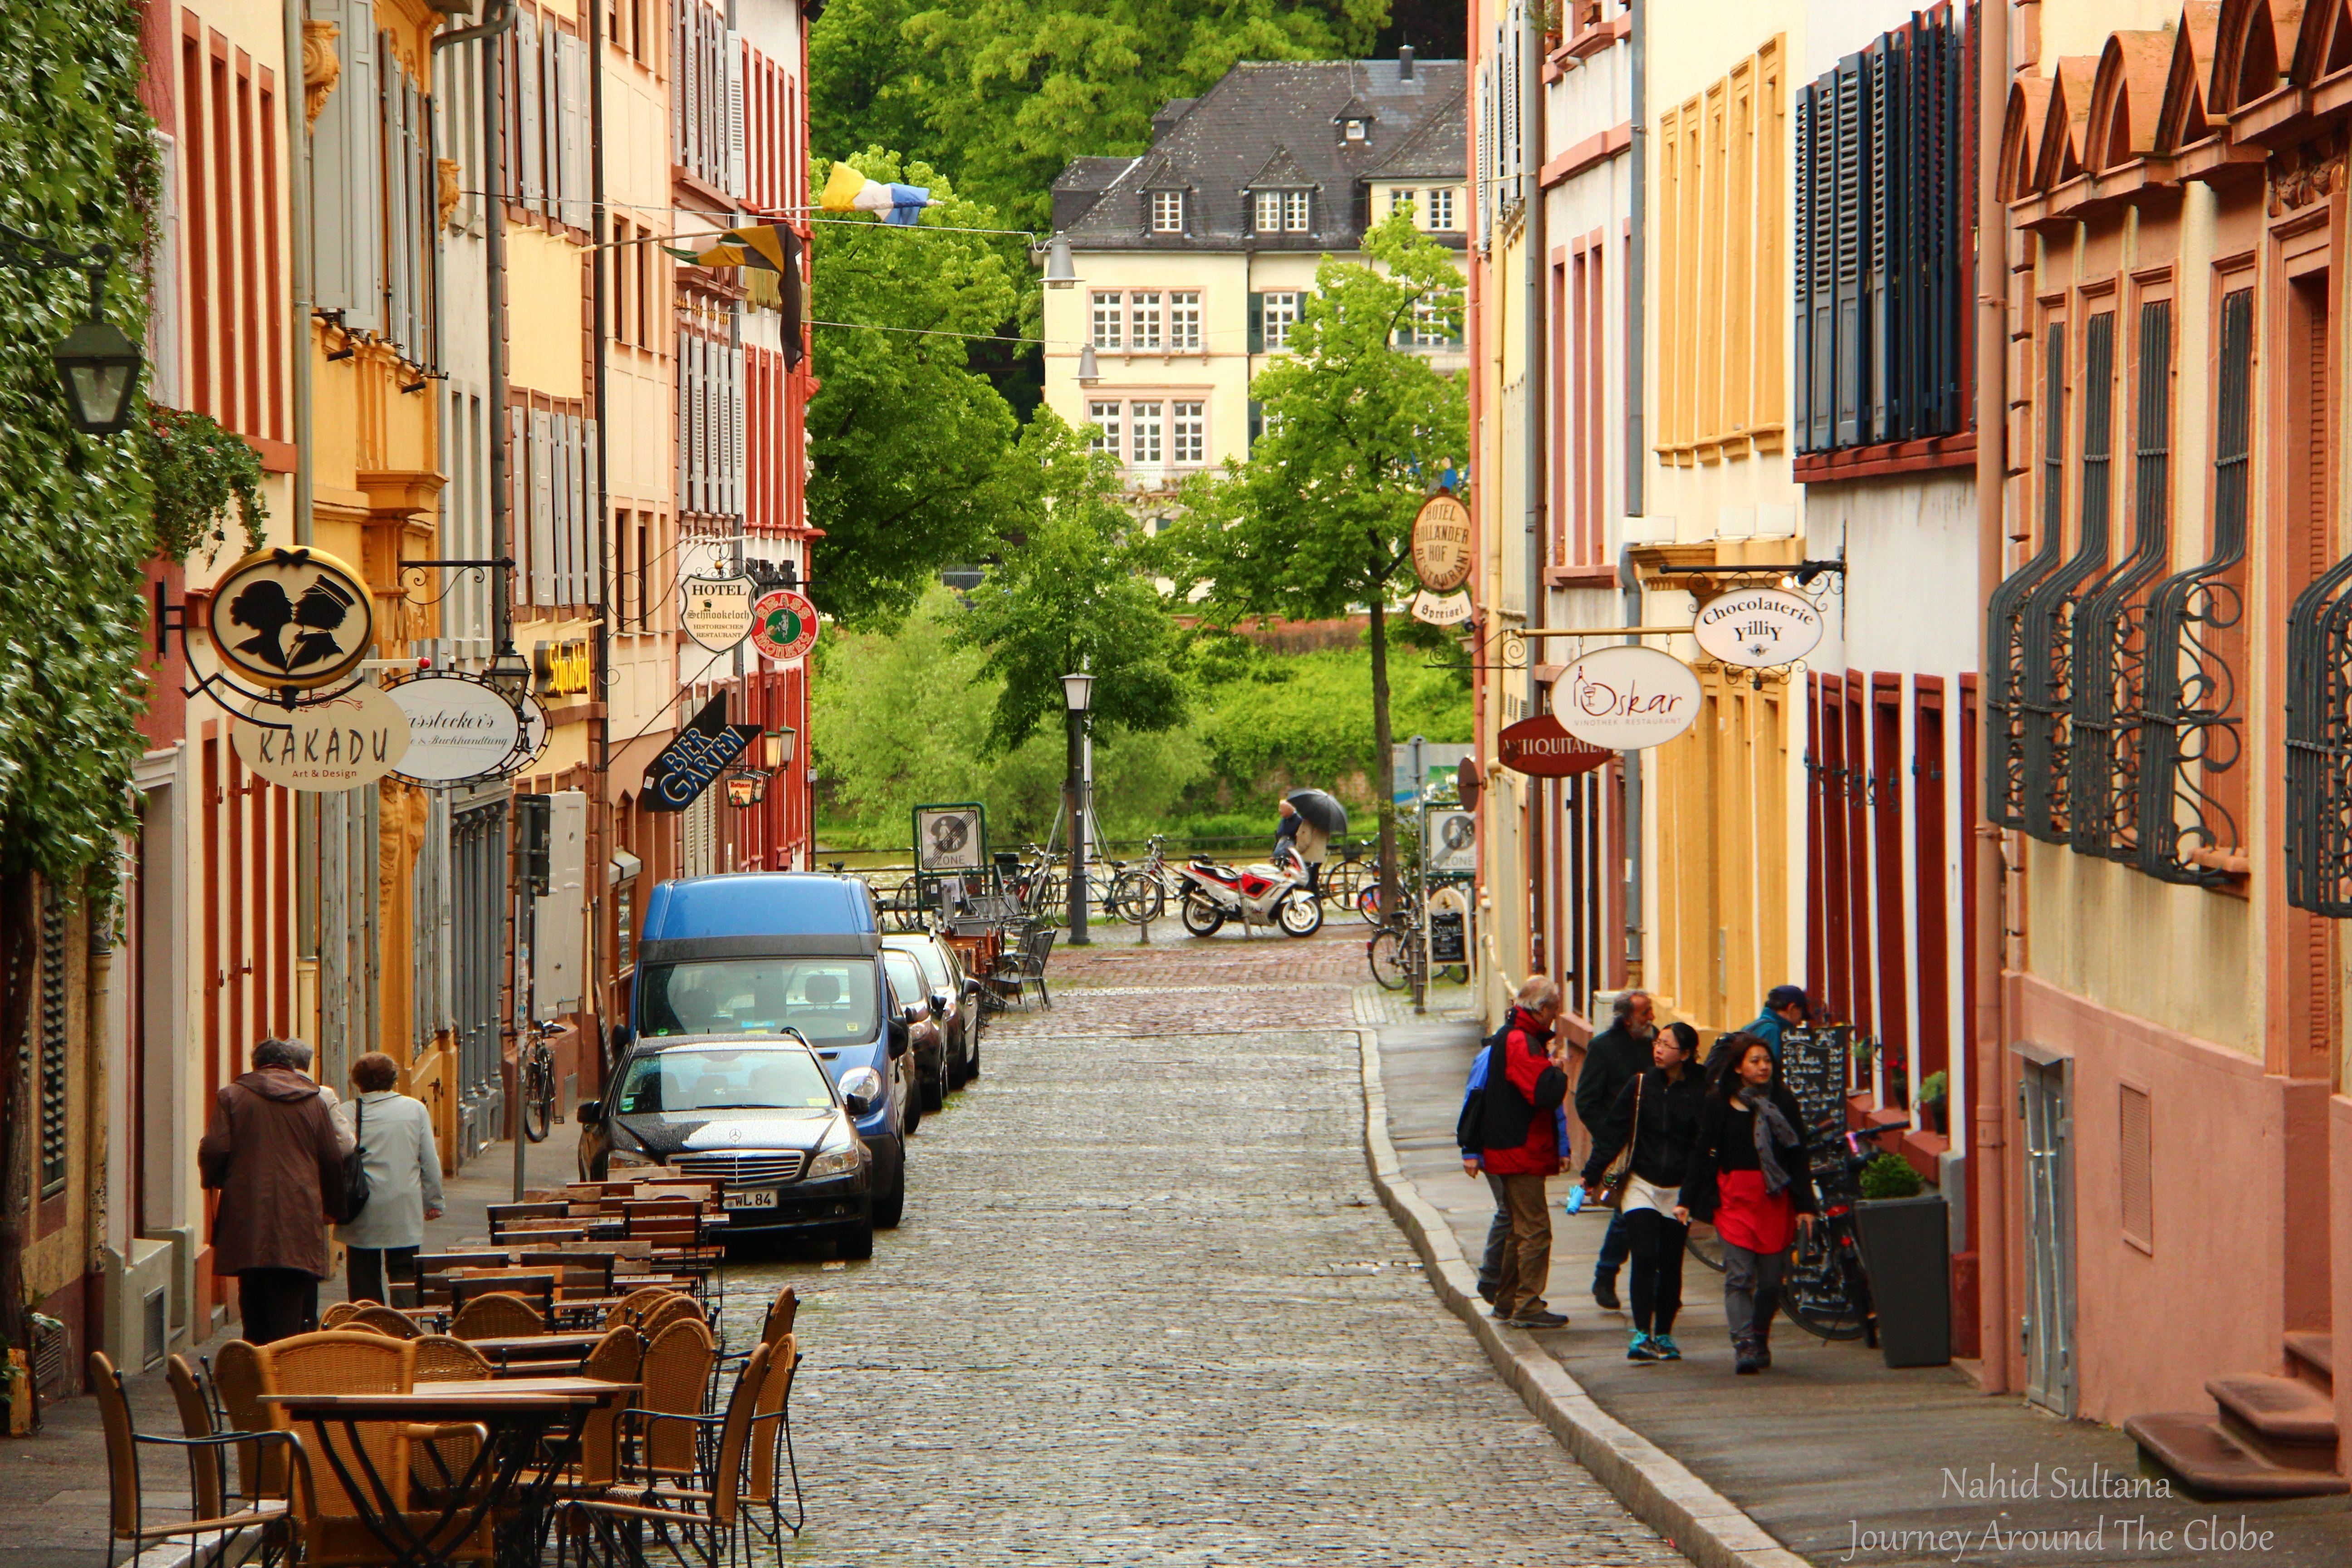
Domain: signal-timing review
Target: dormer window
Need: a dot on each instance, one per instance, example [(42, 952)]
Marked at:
[(1167, 212), (1352, 129), (1279, 212)]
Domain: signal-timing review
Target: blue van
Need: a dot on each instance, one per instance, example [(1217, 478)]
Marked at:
[(757, 953)]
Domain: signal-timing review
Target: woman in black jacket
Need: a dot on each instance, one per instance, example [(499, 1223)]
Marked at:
[(1659, 1111), (1751, 1175)]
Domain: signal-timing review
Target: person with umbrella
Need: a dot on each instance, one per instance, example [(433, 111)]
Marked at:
[(1310, 817)]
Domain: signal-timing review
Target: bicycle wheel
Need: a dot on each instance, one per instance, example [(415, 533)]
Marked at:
[(1703, 1244), (1391, 956), (1455, 974), (1816, 1292), (906, 905), (1367, 903), (538, 1092), (1138, 897)]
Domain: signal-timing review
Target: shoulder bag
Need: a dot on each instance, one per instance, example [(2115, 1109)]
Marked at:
[(355, 1179), (1612, 1183)]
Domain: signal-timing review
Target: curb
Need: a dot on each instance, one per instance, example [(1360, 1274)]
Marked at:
[(1696, 1521)]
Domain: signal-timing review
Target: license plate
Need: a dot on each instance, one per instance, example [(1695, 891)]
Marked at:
[(761, 1200)]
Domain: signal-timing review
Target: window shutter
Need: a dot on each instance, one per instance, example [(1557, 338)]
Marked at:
[(1818, 264), (163, 279), (738, 173), (1256, 325), (1801, 274), (518, 494), (552, 111), (1850, 190), (346, 175), (1882, 183), (563, 476), (542, 507), (1256, 421), (530, 180), (393, 108), (592, 556)]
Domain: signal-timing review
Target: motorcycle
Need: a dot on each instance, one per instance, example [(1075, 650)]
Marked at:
[(1267, 895)]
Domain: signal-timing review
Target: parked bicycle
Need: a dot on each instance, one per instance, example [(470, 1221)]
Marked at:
[(1827, 1287), (1140, 891), (535, 1081)]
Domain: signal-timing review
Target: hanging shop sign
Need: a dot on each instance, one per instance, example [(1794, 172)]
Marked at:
[(1756, 628), (1449, 843), (1626, 697), (1441, 609), (290, 617), (1542, 748), (705, 749), (951, 837), (1441, 544), (564, 669), (324, 747), (717, 611), (783, 626), (460, 727)]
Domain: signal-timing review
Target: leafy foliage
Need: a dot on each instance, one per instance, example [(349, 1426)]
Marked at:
[(78, 168), (1069, 596), (913, 453), (1890, 1176), (199, 471), (1010, 90)]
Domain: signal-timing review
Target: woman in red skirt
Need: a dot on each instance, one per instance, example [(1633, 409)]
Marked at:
[(1751, 1176)]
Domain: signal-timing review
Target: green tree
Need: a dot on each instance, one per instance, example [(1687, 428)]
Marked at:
[(1011, 90), (912, 452), (1319, 521), (1070, 595)]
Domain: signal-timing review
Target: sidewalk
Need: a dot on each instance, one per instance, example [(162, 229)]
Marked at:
[(1830, 1445)]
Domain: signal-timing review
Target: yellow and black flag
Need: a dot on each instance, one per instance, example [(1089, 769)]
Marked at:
[(773, 263)]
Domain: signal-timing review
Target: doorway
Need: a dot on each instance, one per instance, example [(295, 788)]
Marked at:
[(2046, 1330)]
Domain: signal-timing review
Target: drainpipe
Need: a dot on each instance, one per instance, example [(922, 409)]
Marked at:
[(298, 201), (494, 243), (1636, 323), (601, 288), (1536, 407), (1988, 1150)]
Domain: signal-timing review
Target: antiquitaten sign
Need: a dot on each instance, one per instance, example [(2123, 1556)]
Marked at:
[(290, 617), (705, 749), (458, 728), (1441, 544), (1626, 697), (1441, 609), (352, 740), (1756, 628), (783, 626), (1542, 748), (717, 611)]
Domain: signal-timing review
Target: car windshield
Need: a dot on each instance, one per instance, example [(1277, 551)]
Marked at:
[(935, 968), (829, 1000), (724, 1078), (906, 976)]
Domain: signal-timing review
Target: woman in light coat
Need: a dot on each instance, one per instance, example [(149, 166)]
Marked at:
[(404, 1172)]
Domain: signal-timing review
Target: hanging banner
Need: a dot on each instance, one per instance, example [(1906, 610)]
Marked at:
[(717, 611), (326, 747), (705, 749), (783, 626), (1441, 609), (460, 727), (290, 617), (1756, 628), (1626, 697), (1542, 748), (1441, 544)]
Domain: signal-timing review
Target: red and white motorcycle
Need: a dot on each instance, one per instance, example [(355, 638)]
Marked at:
[(1255, 895)]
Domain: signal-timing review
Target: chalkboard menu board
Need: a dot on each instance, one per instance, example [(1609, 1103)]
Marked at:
[(1447, 943), (1815, 1063)]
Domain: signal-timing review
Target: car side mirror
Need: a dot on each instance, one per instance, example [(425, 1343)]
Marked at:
[(898, 1037), (938, 1003), (858, 1105), (591, 1112), (970, 989)]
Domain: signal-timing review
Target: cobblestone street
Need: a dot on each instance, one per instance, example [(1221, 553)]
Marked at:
[(1146, 1308)]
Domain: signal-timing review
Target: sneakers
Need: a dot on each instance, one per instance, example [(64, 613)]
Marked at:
[(1642, 1348), (1537, 1320), (1747, 1362), (1664, 1348), (1763, 1353), (1604, 1290)]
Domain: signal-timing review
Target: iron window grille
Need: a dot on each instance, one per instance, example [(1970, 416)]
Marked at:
[(2319, 744), (2004, 716), (2110, 624), (56, 1073), (2190, 726), (2047, 622)]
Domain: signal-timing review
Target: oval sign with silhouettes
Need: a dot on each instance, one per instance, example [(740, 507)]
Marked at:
[(290, 617)]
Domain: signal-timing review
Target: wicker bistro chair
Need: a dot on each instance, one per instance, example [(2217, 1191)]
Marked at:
[(771, 1431), (445, 1358), (675, 1380), (631, 1310), (236, 1388), (497, 1316), (334, 1317), (703, 1515), (618, 1357), (333, 1533), (211, 1530), (385, 1321)]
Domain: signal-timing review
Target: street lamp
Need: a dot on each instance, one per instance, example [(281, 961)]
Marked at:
[(1077, 695), (1089, 370), (1059, 272), (98, 366), (777, 748), (509, 672)]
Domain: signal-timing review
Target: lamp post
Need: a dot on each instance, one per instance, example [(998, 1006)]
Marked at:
[(98, 366), (1077, 695)]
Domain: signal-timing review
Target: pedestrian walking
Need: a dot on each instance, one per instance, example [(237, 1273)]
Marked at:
[(270, 1152), (1617, 1056), (404, 1172), (299, 1052), (1785, 1007), (1751, 1175), (1516, 1132), (1653, 1121), (1498, 1229)]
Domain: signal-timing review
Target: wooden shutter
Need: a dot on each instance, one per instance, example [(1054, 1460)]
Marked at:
[(518, 528), (738, 167), (1256, 323), (542, 507), (594, 554), (530, 176), (392, 106), (1880, 183), (1801, 275), (1851, 191), (346, 174)]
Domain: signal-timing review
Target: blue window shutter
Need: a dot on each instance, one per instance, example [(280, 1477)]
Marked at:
[(1256, 421), (1801, 274), (1882, 268), (1852, 189), (1257, 335)]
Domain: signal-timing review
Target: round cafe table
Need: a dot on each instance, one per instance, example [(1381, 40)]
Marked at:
[(533, 1432)]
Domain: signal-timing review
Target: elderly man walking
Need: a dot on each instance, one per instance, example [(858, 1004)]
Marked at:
[(272, 1153), (1516, 1131), (1617, 1056)]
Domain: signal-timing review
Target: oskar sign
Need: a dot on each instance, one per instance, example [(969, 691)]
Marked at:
[(1626, 697)]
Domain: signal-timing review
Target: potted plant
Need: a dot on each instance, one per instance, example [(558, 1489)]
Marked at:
[(1907, 1247), (1932, 1092)]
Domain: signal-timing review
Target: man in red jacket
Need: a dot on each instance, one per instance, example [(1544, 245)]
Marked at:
[(1520, 1145)]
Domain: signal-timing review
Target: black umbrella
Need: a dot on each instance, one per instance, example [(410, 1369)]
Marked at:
[(1321, 811)]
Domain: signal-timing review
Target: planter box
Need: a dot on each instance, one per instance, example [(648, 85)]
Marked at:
[(1906, 1248)]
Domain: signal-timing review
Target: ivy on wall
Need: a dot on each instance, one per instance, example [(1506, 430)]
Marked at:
[(198, 470), (78, 168)]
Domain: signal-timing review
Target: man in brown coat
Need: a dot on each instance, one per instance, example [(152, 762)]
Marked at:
[(271, 1151)]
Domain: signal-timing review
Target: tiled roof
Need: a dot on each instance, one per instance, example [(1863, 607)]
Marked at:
[(1274, 123)]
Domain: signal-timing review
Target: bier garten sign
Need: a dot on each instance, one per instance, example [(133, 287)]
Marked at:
[(706, 748)]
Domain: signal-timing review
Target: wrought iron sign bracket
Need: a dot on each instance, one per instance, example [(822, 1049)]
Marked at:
[(478, 568)]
